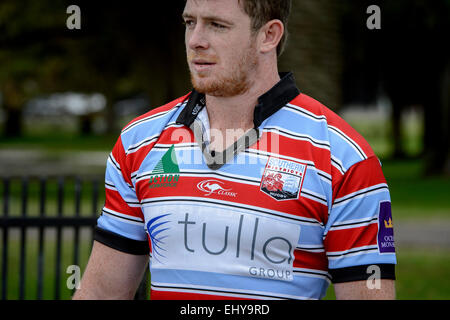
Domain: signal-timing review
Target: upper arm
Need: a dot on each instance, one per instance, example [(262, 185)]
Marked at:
[(111, 274), (359, 233), (360, 290)]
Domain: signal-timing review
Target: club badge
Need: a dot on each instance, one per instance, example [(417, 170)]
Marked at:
[(282, 179)]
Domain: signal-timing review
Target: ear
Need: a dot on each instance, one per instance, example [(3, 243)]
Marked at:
[(270, 35)]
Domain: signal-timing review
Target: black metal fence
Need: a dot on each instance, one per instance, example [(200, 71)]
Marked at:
[(83, 196)]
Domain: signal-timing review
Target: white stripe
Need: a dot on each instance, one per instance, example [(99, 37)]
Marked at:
[(252, 209), (310, 250), (113, 161), (301, 137), (147, 142), (132, 204), (354, 223), (354, 145), (334, 255), (318, 198), (110, 187), (304, 273), (300, 111), (150, 118), (178, 146), (227, 177), (362, 193), (126, 218), (208, 174), (311, 165), (231, 292), (340, 167)]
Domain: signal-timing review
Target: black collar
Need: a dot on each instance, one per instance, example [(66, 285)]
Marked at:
[(270, 102)]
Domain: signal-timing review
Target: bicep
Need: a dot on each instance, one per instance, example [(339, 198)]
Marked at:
[(111, 274), (359, 290)]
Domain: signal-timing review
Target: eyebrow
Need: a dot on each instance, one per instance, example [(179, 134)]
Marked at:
[(208, 18)]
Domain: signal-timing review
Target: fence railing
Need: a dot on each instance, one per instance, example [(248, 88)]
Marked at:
[(34, 263)]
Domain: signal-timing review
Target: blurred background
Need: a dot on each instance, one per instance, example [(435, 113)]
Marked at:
[(66, 93)]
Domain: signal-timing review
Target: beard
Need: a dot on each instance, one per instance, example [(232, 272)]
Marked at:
[(234, 81)]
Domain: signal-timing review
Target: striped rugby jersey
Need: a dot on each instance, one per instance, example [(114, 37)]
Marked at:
[(300, 202)]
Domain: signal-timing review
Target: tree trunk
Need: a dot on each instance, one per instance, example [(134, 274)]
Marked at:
[(314, 50), (13, 124), (436, 113)]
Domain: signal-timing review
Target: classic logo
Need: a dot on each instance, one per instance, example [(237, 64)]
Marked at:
[(212, 186), (282, 179), (166, 172)]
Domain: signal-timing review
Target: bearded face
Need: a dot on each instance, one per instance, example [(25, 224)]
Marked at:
[(220, 46)]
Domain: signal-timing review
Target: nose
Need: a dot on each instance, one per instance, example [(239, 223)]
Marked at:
[(196, 38)]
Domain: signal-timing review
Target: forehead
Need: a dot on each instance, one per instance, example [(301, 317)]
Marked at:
[(227, 9)]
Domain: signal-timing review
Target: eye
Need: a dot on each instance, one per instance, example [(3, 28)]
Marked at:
[(218, 25), (189, 23)]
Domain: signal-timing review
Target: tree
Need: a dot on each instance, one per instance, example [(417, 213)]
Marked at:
[(120, 50)]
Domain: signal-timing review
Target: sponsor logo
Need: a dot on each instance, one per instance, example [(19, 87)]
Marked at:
[(211, 186), (282, 179), (221, 241), (385, 229), (166, 172)]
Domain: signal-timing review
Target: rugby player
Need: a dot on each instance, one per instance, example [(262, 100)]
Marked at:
[(245, 188)]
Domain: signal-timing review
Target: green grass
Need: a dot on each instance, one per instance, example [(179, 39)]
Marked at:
[(413, 195), (60, 142), (69, 208), (49, 264)]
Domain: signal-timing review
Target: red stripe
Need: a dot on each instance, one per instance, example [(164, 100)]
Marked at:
[(310, 260), (244, 194), (135, 159), (298, 149), (118, 153), (369, 169), (345, 239), (169, 295), (115, 202), (154, 111), (317, 108)]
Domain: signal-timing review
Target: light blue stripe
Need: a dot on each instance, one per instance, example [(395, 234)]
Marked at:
[(311, 235), (314, 183), (360, 209), (127, 230), (149, 128), (297, 123), (362, 259), (343, 150), (114, 176), (310, 287)]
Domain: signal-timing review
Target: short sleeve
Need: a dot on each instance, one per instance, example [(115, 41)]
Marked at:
[(359, 232), (121, 224)]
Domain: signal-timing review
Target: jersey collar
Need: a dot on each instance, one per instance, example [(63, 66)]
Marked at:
[(270, 102)]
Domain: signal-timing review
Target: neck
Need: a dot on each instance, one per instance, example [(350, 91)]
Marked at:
[(236, 112)]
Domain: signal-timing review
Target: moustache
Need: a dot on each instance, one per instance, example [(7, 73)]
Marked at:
[(195, 56)]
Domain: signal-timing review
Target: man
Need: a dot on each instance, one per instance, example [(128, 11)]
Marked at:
[(244, 188)]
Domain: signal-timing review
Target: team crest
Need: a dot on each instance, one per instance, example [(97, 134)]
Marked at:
[(283, 179)]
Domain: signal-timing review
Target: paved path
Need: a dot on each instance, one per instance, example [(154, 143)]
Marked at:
[(427, 234), (37, 163)]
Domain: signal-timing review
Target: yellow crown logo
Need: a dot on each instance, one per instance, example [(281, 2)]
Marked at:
[(388, 224)]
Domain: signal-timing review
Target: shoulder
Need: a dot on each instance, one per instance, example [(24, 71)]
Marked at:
[(156, 113), (343, 138)]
